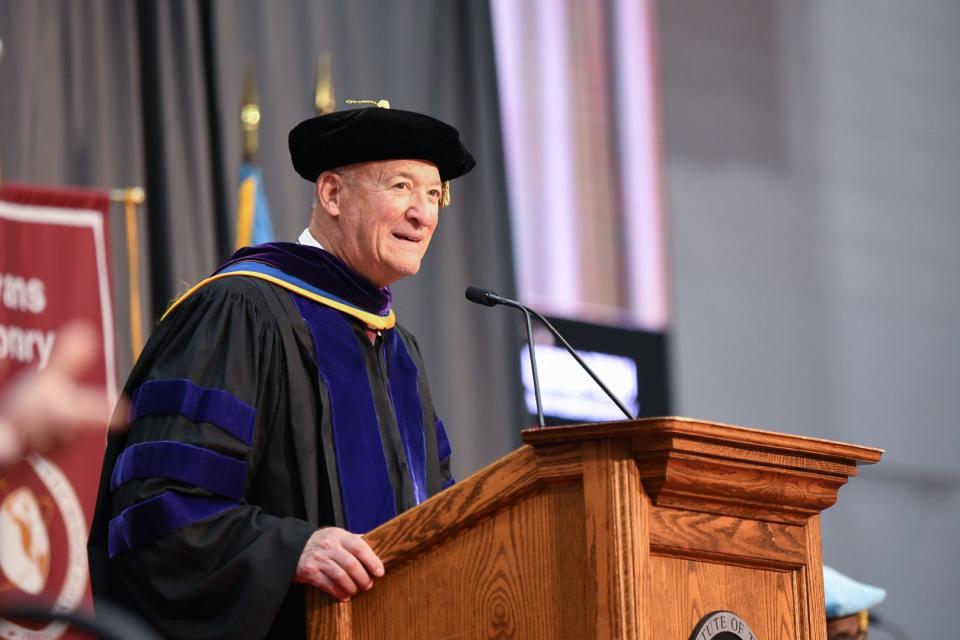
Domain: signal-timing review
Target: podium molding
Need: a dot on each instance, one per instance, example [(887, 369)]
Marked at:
[(634, 529)]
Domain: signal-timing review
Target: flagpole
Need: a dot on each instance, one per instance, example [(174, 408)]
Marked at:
[(323, 97), (250, 128), (132, 198), (250, 116)]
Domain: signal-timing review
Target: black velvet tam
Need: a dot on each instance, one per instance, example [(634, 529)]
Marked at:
[(364, 135)]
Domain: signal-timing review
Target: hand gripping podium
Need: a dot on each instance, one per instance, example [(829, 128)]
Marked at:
[(633, 530)]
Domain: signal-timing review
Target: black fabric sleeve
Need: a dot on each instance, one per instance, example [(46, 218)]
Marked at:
[(225, 576)]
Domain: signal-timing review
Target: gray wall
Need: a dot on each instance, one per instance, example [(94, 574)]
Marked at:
[(813, 182)]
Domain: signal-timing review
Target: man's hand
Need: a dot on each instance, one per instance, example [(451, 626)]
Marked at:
[(338, 562)]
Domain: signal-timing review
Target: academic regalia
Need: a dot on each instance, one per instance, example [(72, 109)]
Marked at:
[(260, 410)]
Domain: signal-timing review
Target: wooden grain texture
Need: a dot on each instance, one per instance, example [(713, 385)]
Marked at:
[(714, 432), (616, 538), (683, 591), (726, 539), (738, 487), (726, 470), (512, 575), (336, 620), (490, 489), (560, 463), (622, 530), (810, 585)]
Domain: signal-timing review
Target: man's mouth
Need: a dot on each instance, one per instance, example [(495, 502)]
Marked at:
[(407, 237)]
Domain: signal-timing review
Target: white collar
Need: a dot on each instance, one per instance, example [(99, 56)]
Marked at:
[(306, 238)]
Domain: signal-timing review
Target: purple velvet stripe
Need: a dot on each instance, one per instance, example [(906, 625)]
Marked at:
[(158, 516), (320, 269), (361, 463), (197, 404), (443, 449), (265, 269), (405, 393), (443, 442), (186, 463)]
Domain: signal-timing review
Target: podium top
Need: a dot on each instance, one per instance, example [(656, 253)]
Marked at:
[(647, 431)]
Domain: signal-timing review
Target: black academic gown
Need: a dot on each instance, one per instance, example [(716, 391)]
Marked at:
[(229, 576)]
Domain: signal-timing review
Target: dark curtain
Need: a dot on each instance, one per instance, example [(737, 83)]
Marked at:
[(70, 112), (110, 94)]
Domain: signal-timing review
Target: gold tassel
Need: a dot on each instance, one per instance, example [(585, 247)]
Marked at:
[(382, 104), (445, 197)]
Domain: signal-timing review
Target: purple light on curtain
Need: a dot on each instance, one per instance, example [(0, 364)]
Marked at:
[(556, 219), (535, 109), (639, 163), (580, 140)]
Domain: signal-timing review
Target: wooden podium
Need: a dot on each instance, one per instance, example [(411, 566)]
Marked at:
[(632, 529)]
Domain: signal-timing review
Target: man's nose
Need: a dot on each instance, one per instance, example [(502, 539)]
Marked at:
[(421, 210)]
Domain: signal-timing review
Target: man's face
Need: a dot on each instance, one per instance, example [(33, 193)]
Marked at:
[(388, 213), (847, 628)]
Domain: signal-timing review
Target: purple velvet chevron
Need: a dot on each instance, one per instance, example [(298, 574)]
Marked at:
[(156, 517), (186, 463), (197, 404)]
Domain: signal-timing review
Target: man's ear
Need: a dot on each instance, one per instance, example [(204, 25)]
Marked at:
[(328, 190)]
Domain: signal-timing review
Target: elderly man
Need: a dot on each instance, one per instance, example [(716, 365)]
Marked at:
[(278, 411)]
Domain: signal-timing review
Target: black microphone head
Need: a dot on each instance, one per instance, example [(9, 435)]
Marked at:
[(480, 296)]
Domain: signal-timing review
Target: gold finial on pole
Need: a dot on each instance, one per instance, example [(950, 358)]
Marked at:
[(250, 116), (323, 97), (133, 194)]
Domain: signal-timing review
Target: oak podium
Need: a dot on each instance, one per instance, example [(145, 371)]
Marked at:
[(636, 529)]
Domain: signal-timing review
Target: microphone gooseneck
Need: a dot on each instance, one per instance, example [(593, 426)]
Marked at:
[(489, 298)]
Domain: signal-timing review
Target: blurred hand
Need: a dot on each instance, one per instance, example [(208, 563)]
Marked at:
[(40, 410), (338, 562)]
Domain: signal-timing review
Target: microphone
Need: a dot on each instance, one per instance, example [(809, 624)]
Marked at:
[(490, 299), (482, 296)]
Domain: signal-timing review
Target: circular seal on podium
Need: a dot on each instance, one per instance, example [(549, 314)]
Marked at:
[(722, 625)]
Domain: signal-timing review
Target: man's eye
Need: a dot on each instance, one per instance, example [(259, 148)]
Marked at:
[(402, 186), (434, 193)]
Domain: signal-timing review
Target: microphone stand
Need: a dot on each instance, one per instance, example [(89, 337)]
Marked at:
[(533, 357), (489, 298)]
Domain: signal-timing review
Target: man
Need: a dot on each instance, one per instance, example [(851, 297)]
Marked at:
[(278, 396), (847, 604)]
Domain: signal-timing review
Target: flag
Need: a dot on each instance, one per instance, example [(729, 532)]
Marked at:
[(253, 214), (54, 267)]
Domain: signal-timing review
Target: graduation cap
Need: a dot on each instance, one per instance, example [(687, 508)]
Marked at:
[(374, 133), (846, 597)]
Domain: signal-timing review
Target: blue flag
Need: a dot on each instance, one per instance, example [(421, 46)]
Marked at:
[(253, 214)]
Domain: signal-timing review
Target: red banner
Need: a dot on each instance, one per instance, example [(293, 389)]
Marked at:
[(54, 268)]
